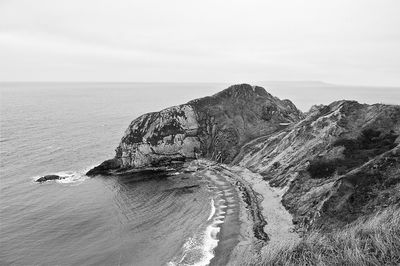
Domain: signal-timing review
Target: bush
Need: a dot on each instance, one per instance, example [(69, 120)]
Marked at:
[(371, 142), (358, 151), (276, 165), (322, 168)]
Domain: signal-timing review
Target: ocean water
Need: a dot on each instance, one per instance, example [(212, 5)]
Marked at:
[(67, 129)]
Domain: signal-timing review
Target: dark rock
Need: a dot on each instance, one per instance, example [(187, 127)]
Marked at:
[(104, 168), (48, 178)]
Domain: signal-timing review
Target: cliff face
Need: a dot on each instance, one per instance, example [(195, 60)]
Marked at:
[(213, 127), (340, 162), (159, 138), (238, 114)]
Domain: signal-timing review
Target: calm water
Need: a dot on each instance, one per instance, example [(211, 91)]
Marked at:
[(67, 128)]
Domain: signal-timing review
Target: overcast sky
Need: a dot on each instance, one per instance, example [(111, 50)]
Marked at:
[(338, 41)]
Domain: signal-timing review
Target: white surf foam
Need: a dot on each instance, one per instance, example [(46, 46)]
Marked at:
[(173, 173), (204, 243), (212, 210), (68, 177)]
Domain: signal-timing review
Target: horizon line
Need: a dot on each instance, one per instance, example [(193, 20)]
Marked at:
[(323, 83)]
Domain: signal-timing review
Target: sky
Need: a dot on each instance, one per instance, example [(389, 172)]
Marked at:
[(353, 42)]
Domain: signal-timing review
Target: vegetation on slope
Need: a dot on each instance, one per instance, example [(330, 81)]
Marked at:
[(343, 167), (369, 144), (367, 241)]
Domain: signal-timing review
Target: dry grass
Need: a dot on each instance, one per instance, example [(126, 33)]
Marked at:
[(372, 241)]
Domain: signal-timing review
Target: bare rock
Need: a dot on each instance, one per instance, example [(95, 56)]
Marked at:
[(48, 178)]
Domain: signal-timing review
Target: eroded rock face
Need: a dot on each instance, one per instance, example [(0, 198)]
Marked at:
[(213, 127), (340, 162), (232, 117), (158, 138)]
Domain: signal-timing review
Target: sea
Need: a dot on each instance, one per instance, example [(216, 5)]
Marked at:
[(67, 128)]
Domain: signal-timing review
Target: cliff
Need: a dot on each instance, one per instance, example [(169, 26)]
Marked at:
[(213, 127), (337, 162)]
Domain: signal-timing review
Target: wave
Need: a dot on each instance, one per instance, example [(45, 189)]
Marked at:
[(212, 210), (199, 249), (71, 177)]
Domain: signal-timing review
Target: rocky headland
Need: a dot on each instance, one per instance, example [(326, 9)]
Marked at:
[(214, 127), (329, 167)]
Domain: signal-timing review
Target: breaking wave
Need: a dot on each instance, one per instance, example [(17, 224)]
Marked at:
[(199, 249)]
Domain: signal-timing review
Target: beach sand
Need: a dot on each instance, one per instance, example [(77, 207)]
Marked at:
[(279, 225), (255, 218)]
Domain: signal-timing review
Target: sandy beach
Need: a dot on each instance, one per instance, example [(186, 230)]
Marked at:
[(255, 218)]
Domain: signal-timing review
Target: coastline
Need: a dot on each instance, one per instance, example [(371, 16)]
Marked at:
[(247, 218), (260, 222)]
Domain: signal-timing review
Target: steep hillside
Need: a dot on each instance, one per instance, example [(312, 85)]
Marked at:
[(340, 162), (213, 127)]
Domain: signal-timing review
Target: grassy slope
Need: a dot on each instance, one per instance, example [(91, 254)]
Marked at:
[(345, 159), (367, 241)]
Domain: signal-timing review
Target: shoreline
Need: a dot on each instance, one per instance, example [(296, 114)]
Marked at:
[(228, 211), (262, 220), (248, 216)]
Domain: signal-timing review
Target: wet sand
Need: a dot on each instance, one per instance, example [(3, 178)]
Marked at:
[(228, 204), (254, 217), (228, 200)]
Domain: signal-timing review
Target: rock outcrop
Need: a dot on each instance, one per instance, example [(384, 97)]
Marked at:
[(213, 127)]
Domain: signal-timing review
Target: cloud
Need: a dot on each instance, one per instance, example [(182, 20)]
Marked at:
[(209, 40)]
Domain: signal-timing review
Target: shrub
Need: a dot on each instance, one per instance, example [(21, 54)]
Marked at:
[(321, 168), (371, 142), (276, 165), (358, 151)]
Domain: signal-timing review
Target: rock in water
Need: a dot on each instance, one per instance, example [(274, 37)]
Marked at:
[(49, 177), (213, 127)]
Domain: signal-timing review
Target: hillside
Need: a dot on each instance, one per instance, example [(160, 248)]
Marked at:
[(337, 165), (341, 161)]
